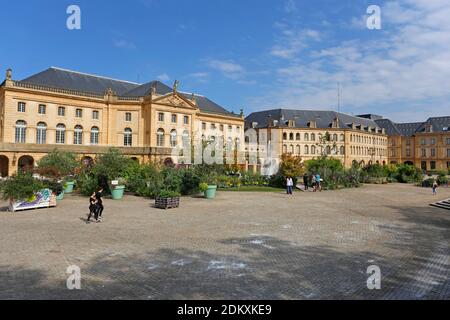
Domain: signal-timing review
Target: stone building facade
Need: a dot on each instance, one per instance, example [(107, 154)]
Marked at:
[(425, 145), (302, 133), (87, 114)]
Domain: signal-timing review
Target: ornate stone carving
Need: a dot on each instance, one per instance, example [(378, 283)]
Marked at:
[(175, 86), (8, 74)]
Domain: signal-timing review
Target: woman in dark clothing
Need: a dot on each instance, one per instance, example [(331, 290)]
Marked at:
[(305, 181), (93, 210), (99, 198)]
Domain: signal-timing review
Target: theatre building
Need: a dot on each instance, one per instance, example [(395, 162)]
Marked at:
[(87, 114)]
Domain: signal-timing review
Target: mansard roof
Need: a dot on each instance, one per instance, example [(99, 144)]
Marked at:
[(302, 119), (83, 82), (437, 124)]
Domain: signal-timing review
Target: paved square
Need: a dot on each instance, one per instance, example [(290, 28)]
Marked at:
[(238, 246)]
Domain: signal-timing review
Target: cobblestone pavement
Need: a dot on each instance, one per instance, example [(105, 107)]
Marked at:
[(238, 246)]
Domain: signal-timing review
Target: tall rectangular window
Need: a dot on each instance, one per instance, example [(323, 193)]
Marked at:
[(186, 120), (432, 165), (174, 118), (128, 116), (448, 153), (78, 135), (424, 152), (21, 131), (79, 113), (448, 141), (61, 111), (433, 152), (128, 138), (41, 133), (204, 126), (95, 115), (423, 165), (94, 135), (161, 117), (41, 109), (21, 107)]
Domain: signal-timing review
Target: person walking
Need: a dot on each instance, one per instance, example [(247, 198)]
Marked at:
[(93, 209), (305, 181), (100, 207), (318, 182), (290, 185), (314, 183), (435, 186)]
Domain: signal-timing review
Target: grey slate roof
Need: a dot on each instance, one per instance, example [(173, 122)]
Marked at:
[(66, 79), (439, 124), (390, 127), (208, 106), (324, 119), (145, 89)]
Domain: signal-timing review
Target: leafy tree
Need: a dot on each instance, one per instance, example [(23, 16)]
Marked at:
[(291, 166), (58, 164), (111, 165)]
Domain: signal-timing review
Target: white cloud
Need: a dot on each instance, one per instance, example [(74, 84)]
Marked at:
[(122, 43), (290, 6), (228, 68), (293, 41), (163, 77), (404, 67)]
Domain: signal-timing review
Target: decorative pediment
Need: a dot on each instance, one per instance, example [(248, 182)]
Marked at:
[(175, 100)]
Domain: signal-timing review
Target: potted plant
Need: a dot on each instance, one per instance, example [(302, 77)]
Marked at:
[(167, 199), (111, 165), (57, 166), (24, 192), (68, 185), (117, 188), (208, 190)]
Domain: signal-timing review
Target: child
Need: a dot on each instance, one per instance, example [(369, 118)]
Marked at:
[(93, 208), (435, 186)]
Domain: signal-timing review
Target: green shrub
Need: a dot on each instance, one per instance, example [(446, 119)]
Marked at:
[(87, 184), (168, 194), (442, 179), (408, 174), (203, 187), (138, 178), (190, 182), (57, 164), (21, 186), (111, 165)]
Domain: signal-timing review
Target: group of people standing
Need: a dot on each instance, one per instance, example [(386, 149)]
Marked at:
[(96, 206), (316, 183)]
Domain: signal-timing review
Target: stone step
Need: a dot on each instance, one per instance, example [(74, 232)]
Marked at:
[(441, 205)]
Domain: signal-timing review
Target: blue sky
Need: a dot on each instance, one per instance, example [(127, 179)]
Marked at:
[(252, 54)]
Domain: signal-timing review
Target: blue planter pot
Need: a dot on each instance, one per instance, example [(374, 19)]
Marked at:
[(211, 192), (69, 187), (60, 197)]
